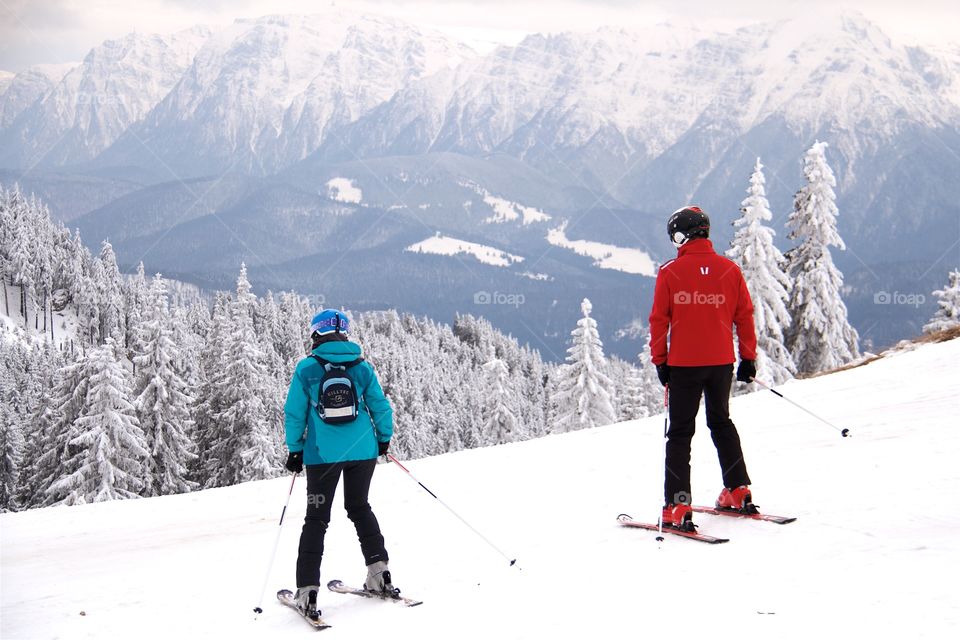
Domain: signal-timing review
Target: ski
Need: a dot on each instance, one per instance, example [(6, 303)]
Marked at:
[(737, 514), (285, 596), (627, 521), (338, 587)]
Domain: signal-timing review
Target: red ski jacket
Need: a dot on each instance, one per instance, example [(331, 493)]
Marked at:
[(699, 297)]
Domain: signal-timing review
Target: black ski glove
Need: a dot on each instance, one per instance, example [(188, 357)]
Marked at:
[(295, 462), (382, 448), (663, 372), (747, 371)]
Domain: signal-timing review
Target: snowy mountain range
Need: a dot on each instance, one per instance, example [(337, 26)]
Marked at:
[(197, 150)]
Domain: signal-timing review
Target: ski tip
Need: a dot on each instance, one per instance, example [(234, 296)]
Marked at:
[(257, 610), (334, 584), (845, 433)]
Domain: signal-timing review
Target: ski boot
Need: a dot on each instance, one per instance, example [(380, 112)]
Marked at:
[(739, 500), (306, 599), (678, 516), (379, 580)]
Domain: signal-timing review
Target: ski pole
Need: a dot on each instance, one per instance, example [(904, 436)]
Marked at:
[(259, 608), (459, 517), (843, 432), (666, 412)]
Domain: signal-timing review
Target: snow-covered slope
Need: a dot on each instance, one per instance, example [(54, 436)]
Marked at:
[(21, 90), (116, 85), (446, 246), (606, 256), (870, 555)]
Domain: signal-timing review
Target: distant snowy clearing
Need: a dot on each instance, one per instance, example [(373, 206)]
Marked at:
[(343, 190), (606, 256), (446, 246), (506, 211)]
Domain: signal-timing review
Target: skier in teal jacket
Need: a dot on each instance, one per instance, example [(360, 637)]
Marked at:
[(329, 450)]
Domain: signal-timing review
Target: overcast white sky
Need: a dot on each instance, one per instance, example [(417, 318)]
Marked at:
[(52, 31)]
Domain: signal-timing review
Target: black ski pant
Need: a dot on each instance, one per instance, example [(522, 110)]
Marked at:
[(686, 386), (322, 480)]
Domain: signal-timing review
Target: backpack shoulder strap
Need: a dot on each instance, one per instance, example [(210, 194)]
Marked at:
[(345, 365)]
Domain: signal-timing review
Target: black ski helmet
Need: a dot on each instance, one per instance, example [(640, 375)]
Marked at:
[(688, 223)]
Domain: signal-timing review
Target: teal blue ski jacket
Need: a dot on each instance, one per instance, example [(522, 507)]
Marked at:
[(323, 443)]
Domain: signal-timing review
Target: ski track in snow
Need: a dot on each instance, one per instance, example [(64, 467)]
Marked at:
[(869, 556)]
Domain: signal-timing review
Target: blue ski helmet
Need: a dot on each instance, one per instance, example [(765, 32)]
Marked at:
[(330, 321)]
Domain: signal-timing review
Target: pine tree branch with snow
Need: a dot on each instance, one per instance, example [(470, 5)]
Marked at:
[(947, 315)]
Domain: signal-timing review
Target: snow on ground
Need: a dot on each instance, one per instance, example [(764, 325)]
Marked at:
[(873, 553), (504, 210), (344, 190), (446, 246), (12, 326), (606, 256), (536, 276)]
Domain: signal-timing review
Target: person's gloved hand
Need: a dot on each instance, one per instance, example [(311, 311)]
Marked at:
[(382, 448), (747, 371), (295, 462), (663, 372)]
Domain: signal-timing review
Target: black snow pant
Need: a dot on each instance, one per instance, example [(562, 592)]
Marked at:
[(686, 386), (322, 482)]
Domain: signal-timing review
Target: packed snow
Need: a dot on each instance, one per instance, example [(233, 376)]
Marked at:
[(869, 555), (344, 190), (446, 246), (606, 256)]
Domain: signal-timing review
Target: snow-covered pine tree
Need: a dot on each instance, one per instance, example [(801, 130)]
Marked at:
[(210, 434), (106, 451), (163, 400), (762, 265), (245, 447), (583, 398), (46, 430), (948, 302), (11, 435), (499, 420), (633, 403), (619, 371), (135, 299), (650, 383), (109, 287), (820, 337), (19, 261)]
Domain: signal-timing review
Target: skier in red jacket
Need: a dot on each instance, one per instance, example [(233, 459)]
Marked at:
[(699, 298)]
